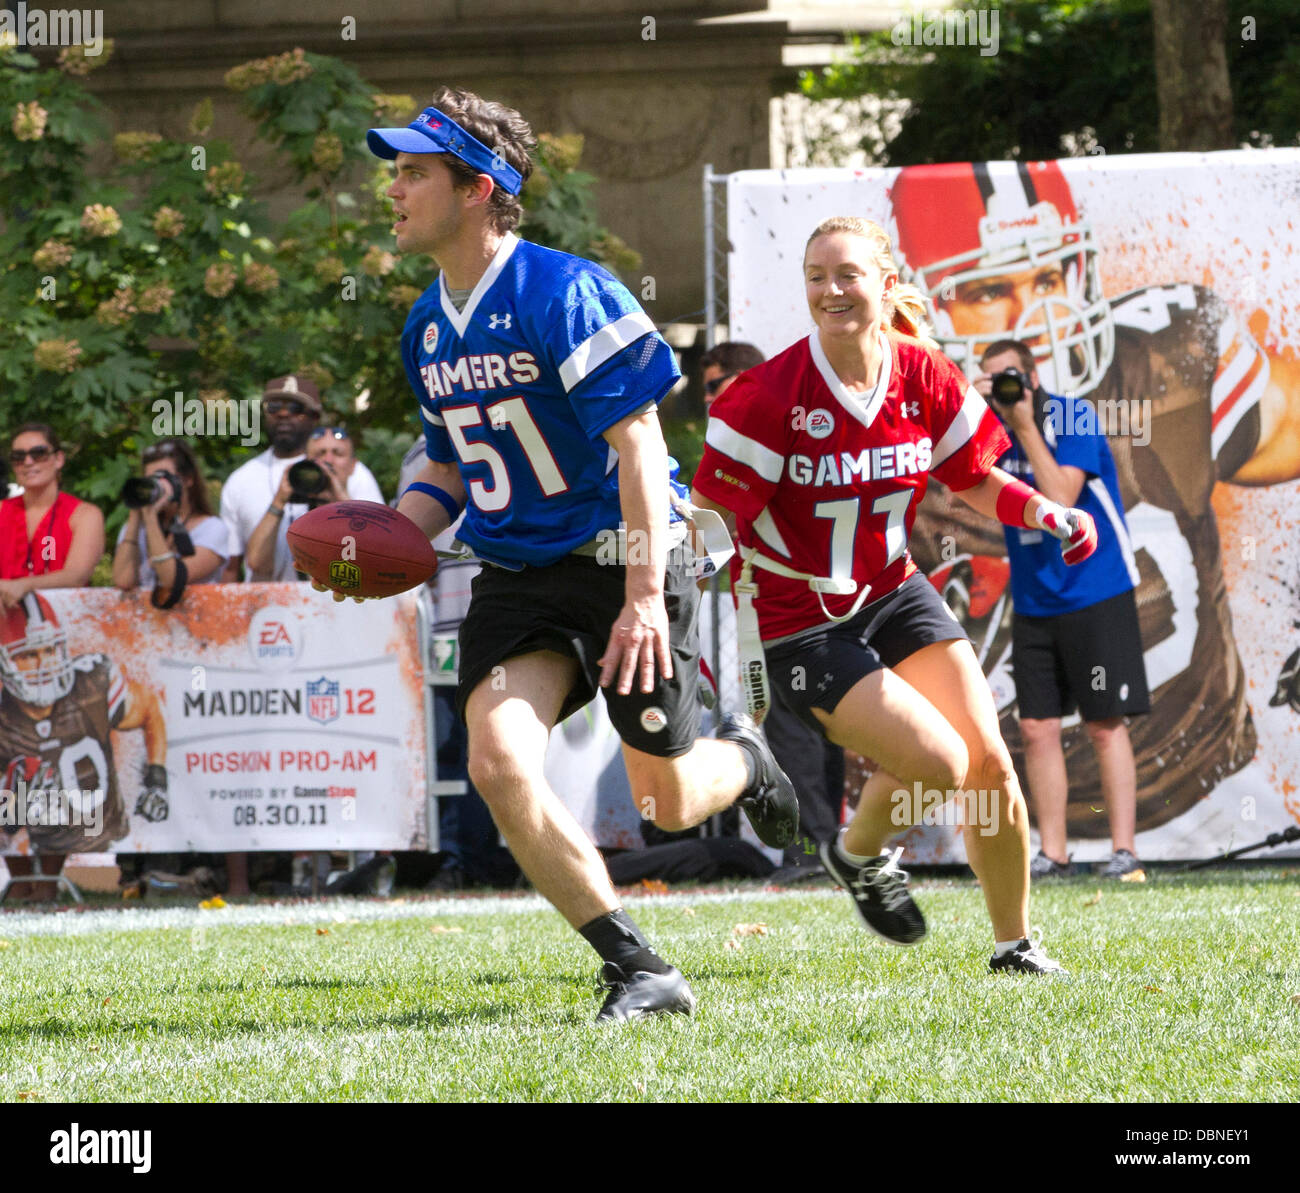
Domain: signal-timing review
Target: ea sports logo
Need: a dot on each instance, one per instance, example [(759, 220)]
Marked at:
[(653, 720), (820, 423), (430, 337), (275, 638)]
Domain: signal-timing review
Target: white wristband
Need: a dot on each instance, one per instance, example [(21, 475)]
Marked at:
[(162, 558)]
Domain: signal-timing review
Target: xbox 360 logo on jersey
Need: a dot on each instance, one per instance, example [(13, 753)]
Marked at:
[(344, 574)]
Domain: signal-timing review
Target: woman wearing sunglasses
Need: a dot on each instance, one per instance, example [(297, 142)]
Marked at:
[(48, 538), (174, 539)]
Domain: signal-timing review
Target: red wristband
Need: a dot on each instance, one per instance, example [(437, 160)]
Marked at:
[(1013, 500)]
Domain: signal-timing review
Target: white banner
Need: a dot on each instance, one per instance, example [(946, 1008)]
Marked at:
[(280, 719), (1170, 284)]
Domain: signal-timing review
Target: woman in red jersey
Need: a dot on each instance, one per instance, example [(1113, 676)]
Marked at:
[(823, 455)]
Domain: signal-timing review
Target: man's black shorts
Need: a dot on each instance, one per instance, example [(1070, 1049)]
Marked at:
[(816, 670), (570, 607), (1090, 659)]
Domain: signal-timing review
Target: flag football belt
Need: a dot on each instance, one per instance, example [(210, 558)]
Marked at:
[(712, 541), (753, 662), (603, 544), (711, 536)]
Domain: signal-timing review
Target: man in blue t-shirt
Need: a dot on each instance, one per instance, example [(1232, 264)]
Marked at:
[(538, 378), (1075, 639)]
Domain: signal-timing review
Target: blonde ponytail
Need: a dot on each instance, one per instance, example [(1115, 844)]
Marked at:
[(905, 311)]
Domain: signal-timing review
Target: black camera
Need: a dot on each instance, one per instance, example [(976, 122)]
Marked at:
[(141, 491), (309, 483), (1010, 386)]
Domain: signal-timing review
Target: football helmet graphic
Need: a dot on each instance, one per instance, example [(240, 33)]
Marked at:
[(34, 663), (999, 251)]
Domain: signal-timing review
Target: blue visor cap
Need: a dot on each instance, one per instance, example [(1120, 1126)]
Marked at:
[(432, 132)]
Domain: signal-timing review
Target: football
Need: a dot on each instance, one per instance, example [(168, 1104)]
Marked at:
[(361, 548)]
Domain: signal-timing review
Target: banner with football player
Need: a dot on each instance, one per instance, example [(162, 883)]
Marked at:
[(249, 717), (1164, 290)]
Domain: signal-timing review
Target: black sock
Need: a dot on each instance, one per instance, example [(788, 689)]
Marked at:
[(752, 766), (618, 940)]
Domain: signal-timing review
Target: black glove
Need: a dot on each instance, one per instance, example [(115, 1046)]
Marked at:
[(152, 804)]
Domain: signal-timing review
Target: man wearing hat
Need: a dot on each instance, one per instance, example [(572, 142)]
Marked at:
[(538, 377), (253, 493)]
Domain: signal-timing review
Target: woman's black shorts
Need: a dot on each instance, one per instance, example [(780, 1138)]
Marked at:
[(817, 669)]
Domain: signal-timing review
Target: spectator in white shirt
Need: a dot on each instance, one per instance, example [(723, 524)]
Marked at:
[(292, 407)]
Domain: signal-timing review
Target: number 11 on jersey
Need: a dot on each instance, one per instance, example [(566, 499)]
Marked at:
[(844, 528)]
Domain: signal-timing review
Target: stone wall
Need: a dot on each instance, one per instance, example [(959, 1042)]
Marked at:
[(655, 99)]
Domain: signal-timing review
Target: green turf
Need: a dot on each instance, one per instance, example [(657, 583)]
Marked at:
[(1182, 990)]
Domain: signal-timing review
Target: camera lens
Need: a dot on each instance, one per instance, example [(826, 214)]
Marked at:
[(138, 492), (1008, 386), (308, 478)]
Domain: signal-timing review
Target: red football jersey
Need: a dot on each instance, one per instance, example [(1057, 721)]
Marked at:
[(826, 481)]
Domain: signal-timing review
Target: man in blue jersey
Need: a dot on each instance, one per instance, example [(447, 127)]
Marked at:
[(538, 377), (1075, 639)]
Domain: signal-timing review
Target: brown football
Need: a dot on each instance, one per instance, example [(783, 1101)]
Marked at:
[(361, 548)]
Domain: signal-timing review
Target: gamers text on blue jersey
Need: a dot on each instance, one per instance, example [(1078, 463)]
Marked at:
[(516, 389)]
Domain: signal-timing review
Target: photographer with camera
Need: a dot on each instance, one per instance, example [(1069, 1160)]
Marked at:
[(303, 486), (171, 537), (331, 472), (251, 497), (1075, 639), (334, 448)]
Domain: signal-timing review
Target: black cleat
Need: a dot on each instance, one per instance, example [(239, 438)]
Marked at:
[(771, 805), (633, 996), (879, 892), (1026, 958)]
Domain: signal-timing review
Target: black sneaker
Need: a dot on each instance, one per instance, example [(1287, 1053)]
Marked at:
[(1045, 867), (1026, 958), (1122, 864), (771, 806), (879, 892), (633, 996)]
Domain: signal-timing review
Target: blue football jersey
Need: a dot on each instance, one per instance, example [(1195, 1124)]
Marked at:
[(516, 390), (1042, 584)]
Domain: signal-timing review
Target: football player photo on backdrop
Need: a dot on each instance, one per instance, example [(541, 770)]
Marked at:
[(1143, 289), (58, 714), (1187, 398)]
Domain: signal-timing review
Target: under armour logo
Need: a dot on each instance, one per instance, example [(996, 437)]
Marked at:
[(495, 321), (911, 409)]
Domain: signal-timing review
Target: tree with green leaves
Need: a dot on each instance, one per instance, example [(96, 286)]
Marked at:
[(163, 273), (1069, 77)]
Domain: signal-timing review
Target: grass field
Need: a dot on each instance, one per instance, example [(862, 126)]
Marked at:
[(1185, 989)]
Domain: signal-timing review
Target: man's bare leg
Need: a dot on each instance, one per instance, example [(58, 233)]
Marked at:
[(1118, 779), (678, 793), (510, 715), (1048, 785)]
